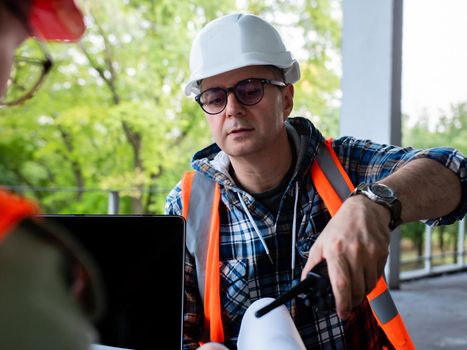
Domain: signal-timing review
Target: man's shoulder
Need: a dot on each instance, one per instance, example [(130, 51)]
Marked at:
[(173, 201)]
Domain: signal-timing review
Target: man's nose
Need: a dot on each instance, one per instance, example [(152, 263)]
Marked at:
[(233, 107)]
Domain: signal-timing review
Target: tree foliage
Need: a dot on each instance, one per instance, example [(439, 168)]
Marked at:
[(450, 130), (112, 114)]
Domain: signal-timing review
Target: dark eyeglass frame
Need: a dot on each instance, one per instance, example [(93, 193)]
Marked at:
[(234, 90), (46, 64)]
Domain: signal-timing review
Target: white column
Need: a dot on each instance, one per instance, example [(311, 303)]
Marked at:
[(371, 82)]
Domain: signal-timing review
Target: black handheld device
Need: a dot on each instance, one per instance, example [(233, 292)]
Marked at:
[(315, 291)]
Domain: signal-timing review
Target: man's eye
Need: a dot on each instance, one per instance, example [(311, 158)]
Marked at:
[(252, 92), (214, 100)]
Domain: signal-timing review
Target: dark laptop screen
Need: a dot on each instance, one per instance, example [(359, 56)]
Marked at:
[(141, 262)]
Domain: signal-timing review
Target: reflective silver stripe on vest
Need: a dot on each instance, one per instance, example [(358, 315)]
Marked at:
[(384, 307), (198, 224), (332, 173)]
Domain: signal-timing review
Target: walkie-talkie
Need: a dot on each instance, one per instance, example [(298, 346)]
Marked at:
[(315, 291)]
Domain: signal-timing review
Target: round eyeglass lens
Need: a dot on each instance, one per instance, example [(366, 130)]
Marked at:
[(249, 92), (213, 100)]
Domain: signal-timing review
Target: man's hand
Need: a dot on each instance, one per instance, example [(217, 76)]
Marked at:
[(355, 246)]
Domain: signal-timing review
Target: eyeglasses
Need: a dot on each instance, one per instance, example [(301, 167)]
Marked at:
[(248, 92), (27, 75)]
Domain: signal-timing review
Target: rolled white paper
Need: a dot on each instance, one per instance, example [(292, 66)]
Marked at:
[(273, 331)]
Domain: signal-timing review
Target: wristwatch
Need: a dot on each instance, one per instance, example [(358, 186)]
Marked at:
[(383, 195)]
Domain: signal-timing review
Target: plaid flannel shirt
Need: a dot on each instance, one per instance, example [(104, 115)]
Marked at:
[(246, 272)]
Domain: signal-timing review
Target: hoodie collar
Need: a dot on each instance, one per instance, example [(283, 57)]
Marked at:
[(213, 162)]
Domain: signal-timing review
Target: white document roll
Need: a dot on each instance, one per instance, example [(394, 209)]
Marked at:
[(273, 331)]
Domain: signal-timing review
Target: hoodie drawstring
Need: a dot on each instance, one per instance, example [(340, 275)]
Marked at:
[(294, 231), (260, 236)]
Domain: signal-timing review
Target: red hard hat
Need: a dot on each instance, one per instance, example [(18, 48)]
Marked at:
[(56, 20)]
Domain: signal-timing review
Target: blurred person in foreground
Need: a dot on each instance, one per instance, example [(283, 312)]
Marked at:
[(50, 291), (273, 226)]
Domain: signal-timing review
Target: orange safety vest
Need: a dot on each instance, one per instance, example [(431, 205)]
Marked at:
[(12, 210), (333, 185)]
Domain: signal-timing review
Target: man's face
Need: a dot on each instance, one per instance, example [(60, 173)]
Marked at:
[(12, 34), (244, 131)]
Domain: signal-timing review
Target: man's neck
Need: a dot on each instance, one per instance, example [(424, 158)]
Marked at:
[(262, 172)]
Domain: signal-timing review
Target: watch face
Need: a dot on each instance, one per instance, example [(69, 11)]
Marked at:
[(382, 191)]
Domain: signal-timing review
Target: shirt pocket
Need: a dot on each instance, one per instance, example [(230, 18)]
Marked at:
[(234, 291), (313, 223)]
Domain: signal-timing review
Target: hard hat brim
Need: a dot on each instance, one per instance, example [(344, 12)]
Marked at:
[(56, 20)]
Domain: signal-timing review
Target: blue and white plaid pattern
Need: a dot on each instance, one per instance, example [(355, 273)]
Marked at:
[(247, 273)]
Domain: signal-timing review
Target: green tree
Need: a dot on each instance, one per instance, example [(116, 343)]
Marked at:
[(112, 114), (450, 130)]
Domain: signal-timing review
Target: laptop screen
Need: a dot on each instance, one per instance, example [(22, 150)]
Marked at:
[(141, 261)]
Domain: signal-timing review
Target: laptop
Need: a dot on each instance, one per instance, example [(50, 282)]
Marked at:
[(141, 261)]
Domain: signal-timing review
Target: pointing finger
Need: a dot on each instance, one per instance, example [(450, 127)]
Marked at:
[(340, 278), (314, 257)]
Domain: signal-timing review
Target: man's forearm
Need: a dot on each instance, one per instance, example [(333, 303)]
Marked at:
[(426, 189)]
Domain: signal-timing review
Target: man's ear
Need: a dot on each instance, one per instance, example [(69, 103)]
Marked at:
[(287, 95)]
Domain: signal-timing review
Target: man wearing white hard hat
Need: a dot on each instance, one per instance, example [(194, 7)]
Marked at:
[(50, 292), (260, 224)]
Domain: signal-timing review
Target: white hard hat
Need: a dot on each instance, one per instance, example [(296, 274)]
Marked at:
[(235, 41)]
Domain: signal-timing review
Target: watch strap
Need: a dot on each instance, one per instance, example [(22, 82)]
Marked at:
[(396, 211)]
